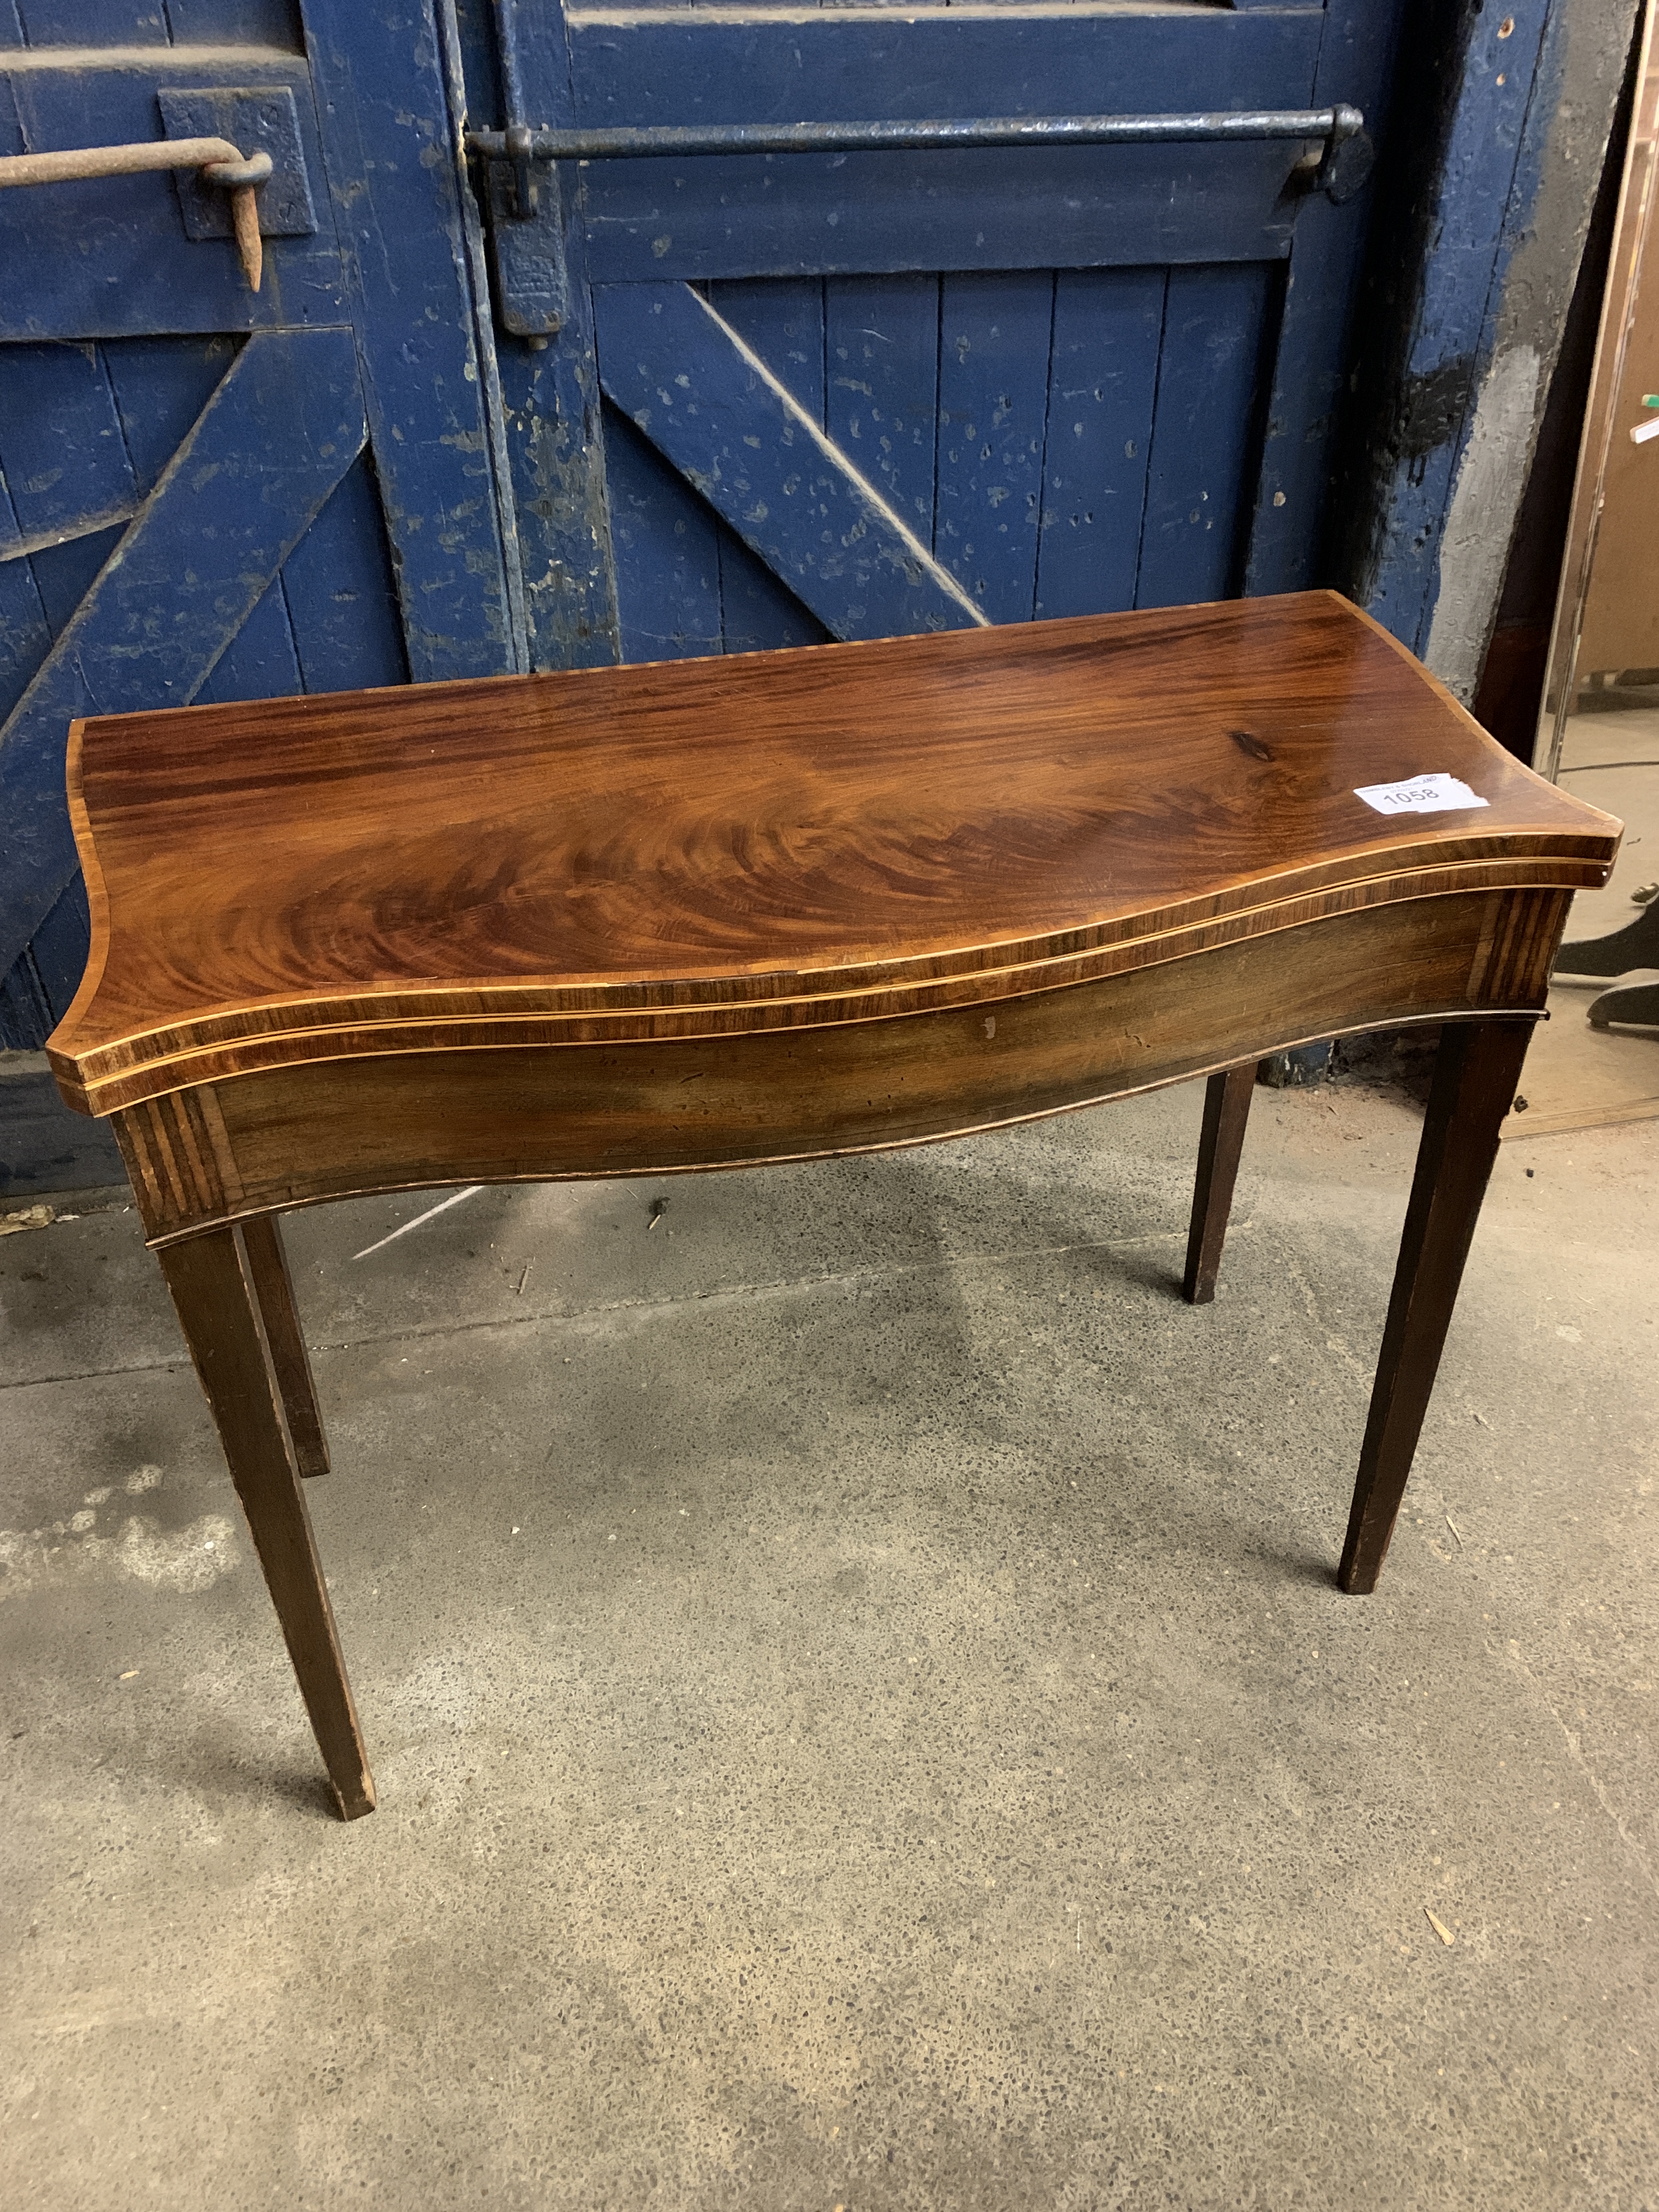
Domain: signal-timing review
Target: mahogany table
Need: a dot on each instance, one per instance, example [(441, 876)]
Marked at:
[(705, 915)]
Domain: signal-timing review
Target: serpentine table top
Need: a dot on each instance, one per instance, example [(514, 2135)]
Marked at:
[(769, 840)]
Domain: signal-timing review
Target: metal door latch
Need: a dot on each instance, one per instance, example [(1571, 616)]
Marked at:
[(266, 119), (523, 177), (215, 160), (206, 130), (526, 239)]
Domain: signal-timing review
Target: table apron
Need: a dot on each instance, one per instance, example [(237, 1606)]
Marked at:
[(297, 1135)]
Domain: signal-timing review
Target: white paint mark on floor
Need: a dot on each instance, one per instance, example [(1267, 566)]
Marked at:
[(442, 1206), (187, 1559)]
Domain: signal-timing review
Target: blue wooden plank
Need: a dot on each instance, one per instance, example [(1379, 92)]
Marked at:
[(784, 323), (93, 22), (556, 445), (758, 613), (668, 578), (11, 536), (43, 1145), (63, 575), (57, 953), (476, 304), (25, 637), (881, 347), (259, 662), (280, 432), (341, 596), (709, 404), (791, 214), (111, 257), (160, 386), (395, 176), (640, 67), (27, 1021), (707, 219), (995, 334), (556, 448), (1107, 325), (1357, 63), (237, 22), (1205, 433), (61, 447)]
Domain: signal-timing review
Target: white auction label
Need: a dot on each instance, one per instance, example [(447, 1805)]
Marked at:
[(1419, 795)]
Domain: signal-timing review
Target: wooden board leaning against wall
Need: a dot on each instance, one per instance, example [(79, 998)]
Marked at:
[(1598, 735), (1620, 626)]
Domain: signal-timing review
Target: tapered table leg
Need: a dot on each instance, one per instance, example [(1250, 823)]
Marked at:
[(213, 1285), (1477, 1069), (273, 1286), (1226, 1110)]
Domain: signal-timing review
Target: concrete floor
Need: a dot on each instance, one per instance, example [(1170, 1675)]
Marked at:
[(862, 1711)]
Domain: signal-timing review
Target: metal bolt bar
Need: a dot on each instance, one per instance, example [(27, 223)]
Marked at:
[(1333, 124), (219, 162)]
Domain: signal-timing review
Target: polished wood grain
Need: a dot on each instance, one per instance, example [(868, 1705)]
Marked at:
[(1476, 1070), (772, 841), (290, 1360), (218, 1308), (291, 1135), (655, 920), (1221, 1140)]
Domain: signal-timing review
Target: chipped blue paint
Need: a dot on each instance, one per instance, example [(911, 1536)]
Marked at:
[(407, 564), (1357, 62), (1452, 327), (1102, 381), (995, 342), (706, 400), (643, 66), (1501, 202), (1219, 329), (390, 144), (550, 393), (1140, 294)]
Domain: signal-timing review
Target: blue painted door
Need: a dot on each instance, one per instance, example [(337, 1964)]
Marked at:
[(798, 397), (208, 494), (782, 398)]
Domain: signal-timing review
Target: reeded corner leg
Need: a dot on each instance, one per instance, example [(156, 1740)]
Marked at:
[(1226, 1110), (274, 1288), (1475, 1075), (214, 1287)]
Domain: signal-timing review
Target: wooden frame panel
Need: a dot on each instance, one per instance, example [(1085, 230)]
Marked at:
[(292, 1136)]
